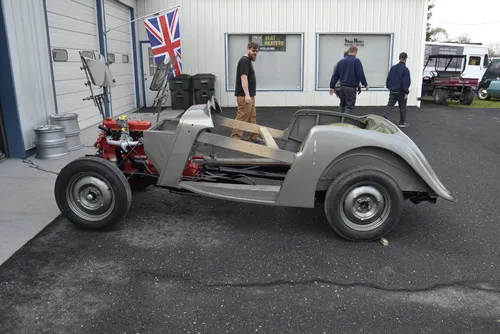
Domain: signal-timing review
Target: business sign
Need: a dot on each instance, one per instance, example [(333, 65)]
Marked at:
[(270, 42), (354, 41)]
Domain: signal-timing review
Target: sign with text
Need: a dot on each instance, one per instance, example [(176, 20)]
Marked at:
[(353, 41), (443, 50), (270, 42)]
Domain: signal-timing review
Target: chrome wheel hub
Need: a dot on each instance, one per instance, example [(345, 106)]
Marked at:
[(90, 197), (483, 93), (365, 207)]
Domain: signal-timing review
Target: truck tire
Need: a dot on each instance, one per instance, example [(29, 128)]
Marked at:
[(92, 193), (468, 98), (363, 204), (440, 96)]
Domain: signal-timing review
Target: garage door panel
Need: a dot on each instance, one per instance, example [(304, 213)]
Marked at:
[(68, 71), (65, 87), (69, 102), (121, 69), (73, 27), (123, 90), (88, 3), (114, 22), (119, 48), (90, 122), (116, 10), (124, 80), (77, 11), (66, 23), (124, 104), (69, 39), (119, 42), (118, 36)]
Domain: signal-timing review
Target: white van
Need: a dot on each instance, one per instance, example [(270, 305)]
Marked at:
[(475, 64)]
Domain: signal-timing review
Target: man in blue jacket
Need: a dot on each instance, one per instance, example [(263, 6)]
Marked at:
[(398, 82), (349, 71)]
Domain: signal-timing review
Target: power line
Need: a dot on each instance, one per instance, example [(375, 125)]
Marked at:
[(465, 24)]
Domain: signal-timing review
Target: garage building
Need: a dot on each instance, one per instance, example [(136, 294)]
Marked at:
[(301, 42)]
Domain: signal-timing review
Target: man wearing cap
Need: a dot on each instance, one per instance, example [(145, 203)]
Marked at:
[(398, 82)]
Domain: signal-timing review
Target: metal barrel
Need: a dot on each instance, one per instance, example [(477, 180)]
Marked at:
[(51, 142), (71, 129)]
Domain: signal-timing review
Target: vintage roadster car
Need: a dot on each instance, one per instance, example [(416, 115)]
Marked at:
[(361, 168)]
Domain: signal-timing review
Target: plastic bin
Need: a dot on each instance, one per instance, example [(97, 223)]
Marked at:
[(181, 92), (204, 87)]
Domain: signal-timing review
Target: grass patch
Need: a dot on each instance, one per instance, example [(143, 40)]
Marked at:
[(477, 103)]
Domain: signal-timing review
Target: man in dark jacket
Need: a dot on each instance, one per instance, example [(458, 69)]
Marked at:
[(349, 71), (398, 82)]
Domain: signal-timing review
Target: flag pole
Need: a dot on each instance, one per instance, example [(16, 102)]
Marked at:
[(154, 13)]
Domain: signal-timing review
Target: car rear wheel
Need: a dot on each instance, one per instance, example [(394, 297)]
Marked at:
[(92, 193), (363, 204)]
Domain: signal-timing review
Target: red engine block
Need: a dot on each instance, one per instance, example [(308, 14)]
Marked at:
[(135, 129)]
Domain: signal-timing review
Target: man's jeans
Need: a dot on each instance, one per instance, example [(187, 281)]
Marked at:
[(398, 97), (347, 97)]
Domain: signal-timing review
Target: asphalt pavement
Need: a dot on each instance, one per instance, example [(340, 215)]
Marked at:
[(188, 264)]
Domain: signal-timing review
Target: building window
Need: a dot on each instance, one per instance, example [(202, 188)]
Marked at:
[(152, 63), (111, 58), (88, 54), (374, 51), (125, 58), (279, 64), (474, 60), (59, 55)]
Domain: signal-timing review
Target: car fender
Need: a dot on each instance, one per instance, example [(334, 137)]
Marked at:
[(325, 144)]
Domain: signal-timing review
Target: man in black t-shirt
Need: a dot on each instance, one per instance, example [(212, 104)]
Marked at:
[(245, 91)]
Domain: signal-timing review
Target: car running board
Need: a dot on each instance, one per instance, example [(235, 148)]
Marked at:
[(258, 194)]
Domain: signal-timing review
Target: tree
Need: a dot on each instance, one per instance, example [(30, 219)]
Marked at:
[(494, 50), (463, 39), (434, 34), (437, 35)]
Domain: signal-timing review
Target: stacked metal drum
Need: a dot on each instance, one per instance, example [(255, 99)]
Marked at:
[(55, 140)]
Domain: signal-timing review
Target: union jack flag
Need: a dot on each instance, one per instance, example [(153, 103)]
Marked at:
[(165, 38)]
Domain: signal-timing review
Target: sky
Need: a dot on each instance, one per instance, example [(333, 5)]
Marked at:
[(468, 16)]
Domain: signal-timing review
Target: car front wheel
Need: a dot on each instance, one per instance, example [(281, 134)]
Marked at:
[(363, 204), (92, 193), (482, 94)]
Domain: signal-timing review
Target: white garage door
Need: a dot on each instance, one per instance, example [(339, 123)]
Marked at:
[(119, 43), (73, 28)]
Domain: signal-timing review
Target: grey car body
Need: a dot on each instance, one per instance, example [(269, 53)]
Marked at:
[(318, 145)]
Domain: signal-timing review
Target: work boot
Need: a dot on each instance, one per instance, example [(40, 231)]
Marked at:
[(403, 125)]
